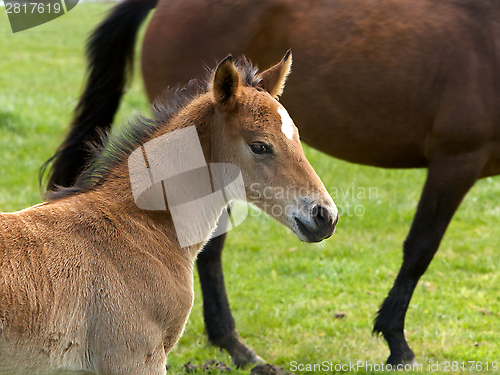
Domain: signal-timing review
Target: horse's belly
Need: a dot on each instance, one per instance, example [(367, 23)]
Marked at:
[(383, 153)]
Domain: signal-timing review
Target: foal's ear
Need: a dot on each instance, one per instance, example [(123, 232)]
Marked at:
[(226, 82), (274, 78)]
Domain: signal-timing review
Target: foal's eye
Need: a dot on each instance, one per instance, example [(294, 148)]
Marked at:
[(260, 148)]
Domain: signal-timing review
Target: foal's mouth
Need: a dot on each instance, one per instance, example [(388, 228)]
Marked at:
[(316, 234), (313, 235), (303, 229)]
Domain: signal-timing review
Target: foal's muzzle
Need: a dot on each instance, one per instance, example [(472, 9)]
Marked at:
[(321, 225)]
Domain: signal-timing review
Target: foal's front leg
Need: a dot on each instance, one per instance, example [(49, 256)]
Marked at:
[(121, 359), (219, 322), (448, 180)]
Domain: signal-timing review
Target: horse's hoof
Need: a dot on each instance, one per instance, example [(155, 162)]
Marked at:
[(268, 369), (241, 354), (246, 357)]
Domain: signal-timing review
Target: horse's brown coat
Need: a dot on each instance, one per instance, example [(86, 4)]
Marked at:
[(88, 281)]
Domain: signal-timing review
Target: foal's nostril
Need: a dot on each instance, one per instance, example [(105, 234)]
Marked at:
[(321, 215)]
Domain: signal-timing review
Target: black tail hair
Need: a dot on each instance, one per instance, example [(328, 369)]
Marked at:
[(110, 56)]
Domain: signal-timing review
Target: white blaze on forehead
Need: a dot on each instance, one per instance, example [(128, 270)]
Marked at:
[(287, 126)]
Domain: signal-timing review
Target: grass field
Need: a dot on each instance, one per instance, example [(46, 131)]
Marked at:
[(285, 295)]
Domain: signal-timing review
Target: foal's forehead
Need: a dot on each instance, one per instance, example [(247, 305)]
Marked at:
[(264, 108)]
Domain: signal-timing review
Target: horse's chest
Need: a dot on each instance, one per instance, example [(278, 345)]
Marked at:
[(55, 349)]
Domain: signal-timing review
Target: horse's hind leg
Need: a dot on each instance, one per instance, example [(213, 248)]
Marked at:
[(219, 322), (448, 180)]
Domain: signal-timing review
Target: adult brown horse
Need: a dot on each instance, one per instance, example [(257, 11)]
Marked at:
[(94, 281), (388, 83)]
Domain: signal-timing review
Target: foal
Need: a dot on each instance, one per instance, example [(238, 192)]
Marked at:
[(89, 281)]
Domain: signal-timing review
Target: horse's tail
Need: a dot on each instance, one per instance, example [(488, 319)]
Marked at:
[(110, 55)]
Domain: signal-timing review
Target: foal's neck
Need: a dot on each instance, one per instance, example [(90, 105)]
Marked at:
[(117, 196)]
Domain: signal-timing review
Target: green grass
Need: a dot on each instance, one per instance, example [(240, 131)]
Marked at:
[(284, 294)]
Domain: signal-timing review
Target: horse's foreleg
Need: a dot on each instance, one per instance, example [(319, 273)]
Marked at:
[(448, 180), (219, 322)]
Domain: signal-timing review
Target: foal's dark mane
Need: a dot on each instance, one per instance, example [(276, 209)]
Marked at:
[(116, 145)]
